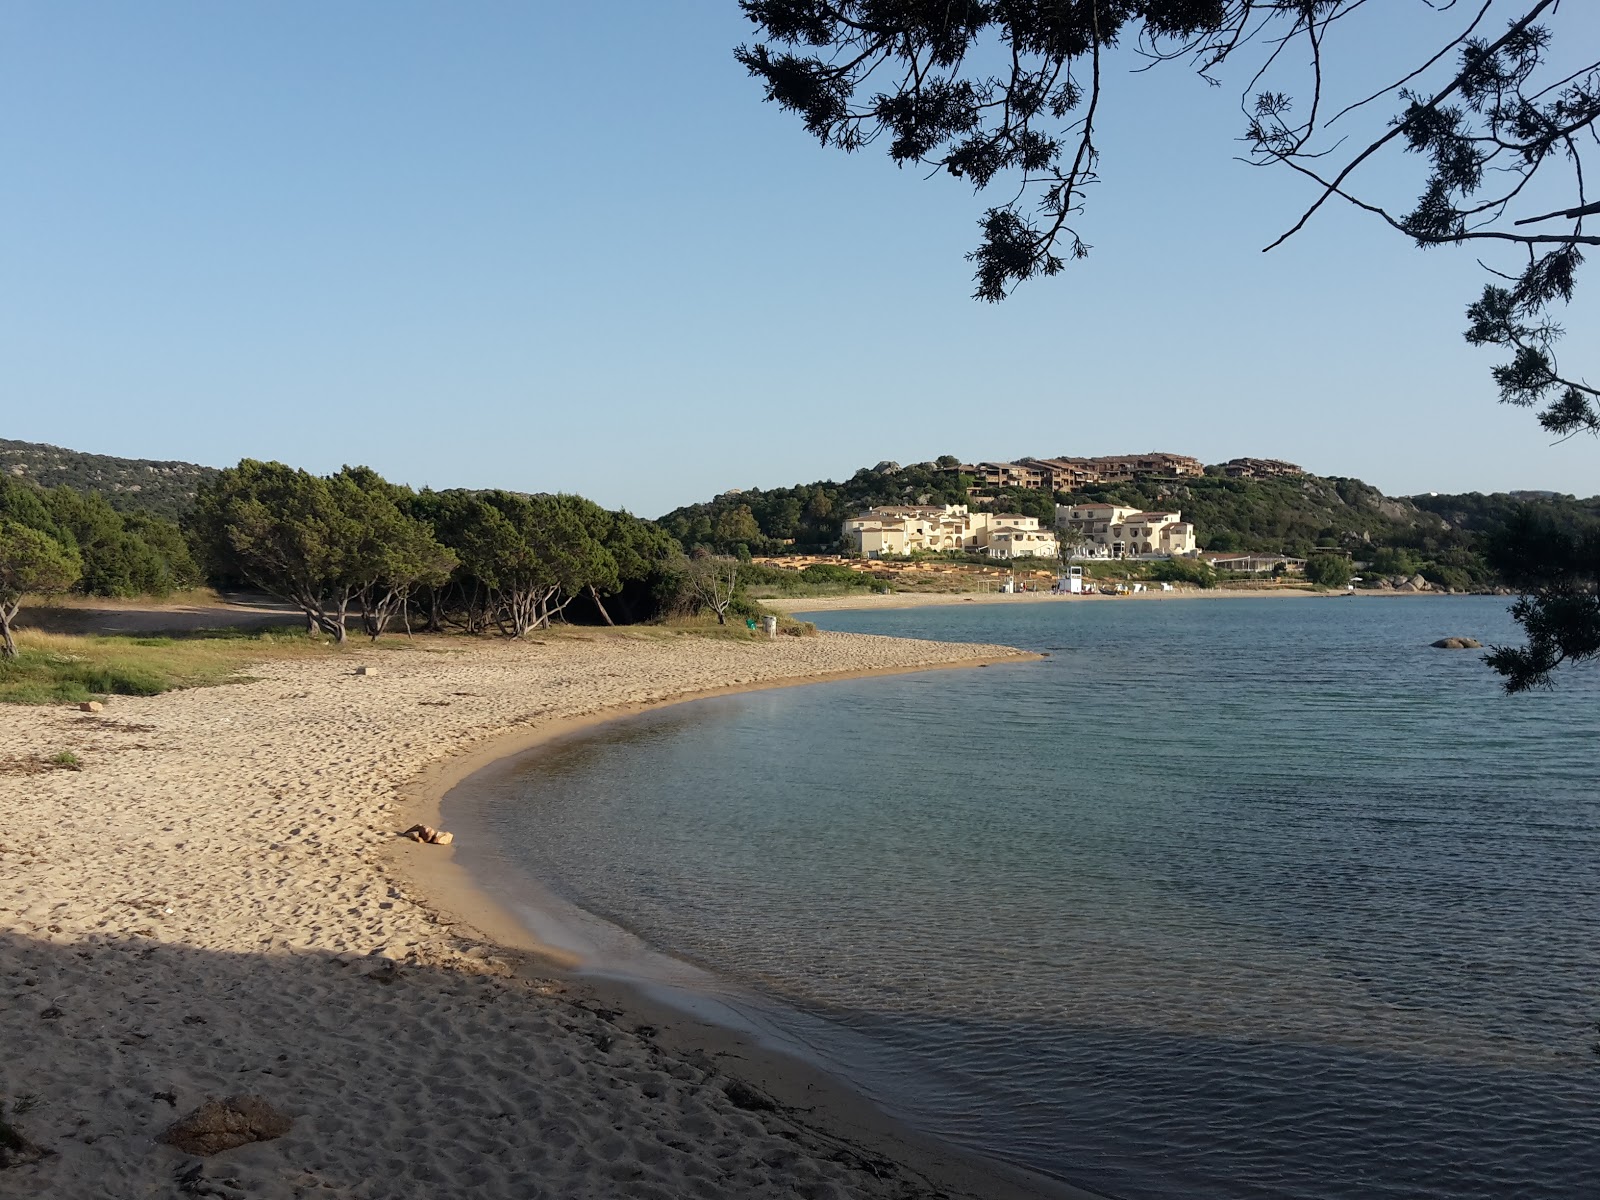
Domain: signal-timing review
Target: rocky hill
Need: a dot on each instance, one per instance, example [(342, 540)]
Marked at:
[(162, 488)]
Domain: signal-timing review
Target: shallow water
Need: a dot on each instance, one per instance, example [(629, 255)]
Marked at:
[(1243, 898)]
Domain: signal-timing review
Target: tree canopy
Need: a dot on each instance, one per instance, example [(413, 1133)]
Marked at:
[(119, 554), (31, 562), (324, 544), (1009, 95), (1556, 564)]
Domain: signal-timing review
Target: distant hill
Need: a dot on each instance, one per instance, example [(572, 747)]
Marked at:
[(130, 484), (1442, 537), (1285, 513)]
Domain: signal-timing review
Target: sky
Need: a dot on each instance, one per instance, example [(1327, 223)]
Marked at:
[(566, 247)]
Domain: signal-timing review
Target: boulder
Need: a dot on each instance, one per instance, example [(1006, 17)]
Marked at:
[(1418, 582), (219, 1125), (1457, 643)]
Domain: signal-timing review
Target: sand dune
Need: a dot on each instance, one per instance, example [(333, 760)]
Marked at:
[(211, 906)]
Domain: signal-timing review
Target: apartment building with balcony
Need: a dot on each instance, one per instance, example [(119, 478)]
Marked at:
[(1259, 468), (938, 528), (1121, 531)]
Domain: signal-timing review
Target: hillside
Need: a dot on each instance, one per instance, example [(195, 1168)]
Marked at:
[(1290, 514), (144, 485), (1441, 537)]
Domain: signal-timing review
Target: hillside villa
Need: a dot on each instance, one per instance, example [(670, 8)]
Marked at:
[(1118, 531), (919, 528)]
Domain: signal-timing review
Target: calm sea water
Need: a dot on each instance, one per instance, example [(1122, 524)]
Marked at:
[(1242, 898)]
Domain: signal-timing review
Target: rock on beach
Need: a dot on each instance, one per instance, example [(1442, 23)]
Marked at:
[(219, 1125)]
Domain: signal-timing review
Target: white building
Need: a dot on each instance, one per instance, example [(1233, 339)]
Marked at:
[(1119, 531), (937, 528)]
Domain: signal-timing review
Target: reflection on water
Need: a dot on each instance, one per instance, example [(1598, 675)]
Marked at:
[(1242, 898)]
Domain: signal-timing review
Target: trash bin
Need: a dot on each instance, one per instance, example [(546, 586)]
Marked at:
[(770, 624)]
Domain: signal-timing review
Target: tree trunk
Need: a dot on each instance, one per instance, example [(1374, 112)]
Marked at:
[(595, 596), (8, 646)]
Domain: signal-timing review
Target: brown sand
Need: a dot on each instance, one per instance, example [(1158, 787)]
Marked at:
[(211, 906)]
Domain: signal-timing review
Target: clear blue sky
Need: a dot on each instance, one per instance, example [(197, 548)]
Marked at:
[(565, 247)]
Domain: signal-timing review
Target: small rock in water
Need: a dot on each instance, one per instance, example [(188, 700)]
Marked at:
[(219, 1125), (1458, 643)]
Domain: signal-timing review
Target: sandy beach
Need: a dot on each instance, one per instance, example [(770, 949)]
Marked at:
[(218, 902)]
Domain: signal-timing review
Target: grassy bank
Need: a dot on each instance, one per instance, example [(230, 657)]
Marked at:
[(61, 668), (55, 668)]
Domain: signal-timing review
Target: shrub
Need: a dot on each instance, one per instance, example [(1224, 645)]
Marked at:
[(1328, 570), (834, 573), (1184, 570)]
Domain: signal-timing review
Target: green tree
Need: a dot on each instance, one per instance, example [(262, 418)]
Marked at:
[(1394, 560), (323, 544), (534, 555), (1328, 570), (122, 554), (736, 527), (393, 554), (1557, 567), (30, 563)]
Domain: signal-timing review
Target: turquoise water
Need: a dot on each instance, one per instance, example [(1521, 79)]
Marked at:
[(1238, 898)]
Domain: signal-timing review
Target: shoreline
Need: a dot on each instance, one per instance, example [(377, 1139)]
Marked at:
[(423, 796), (219, 902), (831, 1104), (899, 600)]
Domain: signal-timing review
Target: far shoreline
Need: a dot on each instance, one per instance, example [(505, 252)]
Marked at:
[(899, 600)]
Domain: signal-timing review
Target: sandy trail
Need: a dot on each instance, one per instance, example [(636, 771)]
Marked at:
[(210, 906), (144, 617)]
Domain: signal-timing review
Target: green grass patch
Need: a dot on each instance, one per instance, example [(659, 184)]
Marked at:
[(53, 668)]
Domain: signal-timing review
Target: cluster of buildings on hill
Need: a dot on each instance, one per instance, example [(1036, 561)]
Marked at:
[(1089, 531), (921, 528), (1075, 474), (1092, 530)]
